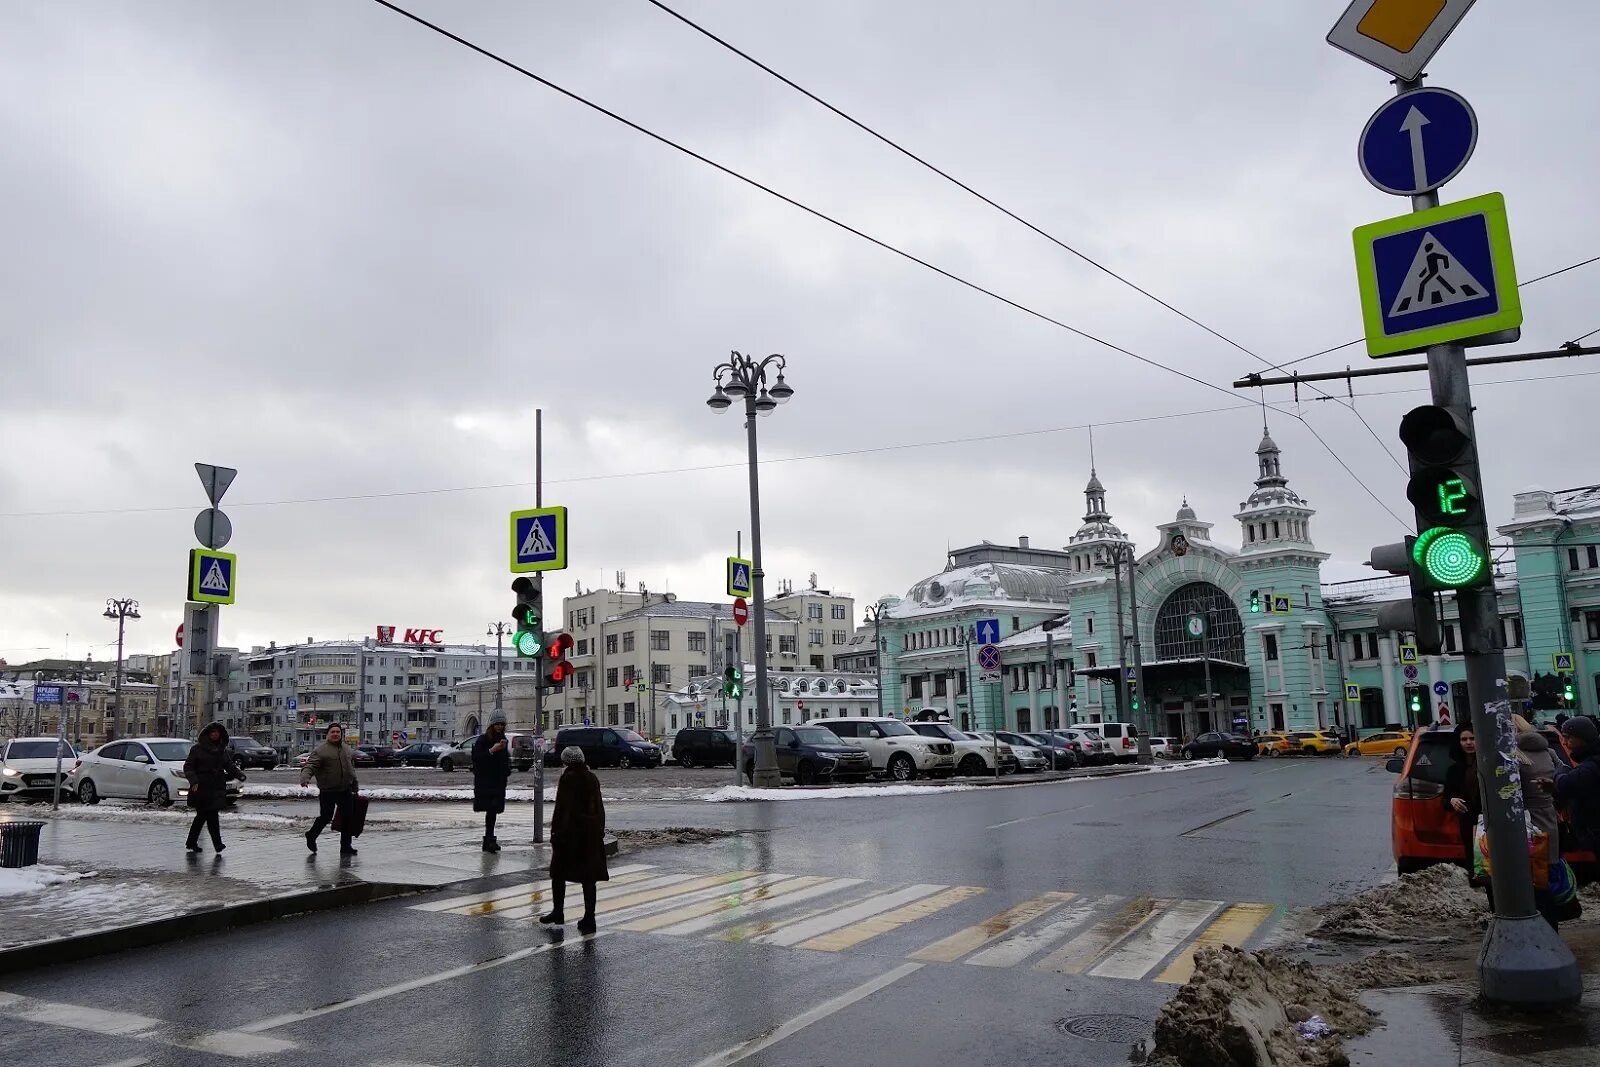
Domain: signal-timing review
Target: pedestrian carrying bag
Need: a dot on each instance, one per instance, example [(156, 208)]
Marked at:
[(1538, 853), (358, 816)]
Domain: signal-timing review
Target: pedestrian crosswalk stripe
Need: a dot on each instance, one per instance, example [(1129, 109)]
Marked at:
[(760, 907), (606, 892), (1233, 927), (1076, 955), (952, 948), (451, 903), (728, 901), (867, 929), (793, 933), (1018, 947), (529, 896), (746, 882), (1144, 949), (606, 907)]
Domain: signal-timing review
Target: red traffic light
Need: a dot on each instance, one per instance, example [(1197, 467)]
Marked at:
[(559, 672), (559, 646)]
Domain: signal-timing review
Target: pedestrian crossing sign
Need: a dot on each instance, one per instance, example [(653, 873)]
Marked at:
[(1280, 604), (1562, 662), (739, 581), (1436, 276), (211, 576), (1408, 655), (1352, 693), (538, 540)]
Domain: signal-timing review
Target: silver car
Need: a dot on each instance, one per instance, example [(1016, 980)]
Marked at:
[(1092, 747)]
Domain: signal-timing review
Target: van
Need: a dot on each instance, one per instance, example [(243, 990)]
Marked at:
[(1122, 738), (605, 746), (704, 746)]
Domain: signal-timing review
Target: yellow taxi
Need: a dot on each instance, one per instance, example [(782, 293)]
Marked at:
[(1316, 743), (1387, 743), (1272, 744)]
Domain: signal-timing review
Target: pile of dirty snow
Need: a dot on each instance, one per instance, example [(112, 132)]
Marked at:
[(1435, 904), (1389, 970), (673, 835), (17, 881), (1248, 1008)]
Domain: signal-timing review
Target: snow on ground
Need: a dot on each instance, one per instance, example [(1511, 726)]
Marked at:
[(133, 812), (16, 881), (390, 792), (851, 792)]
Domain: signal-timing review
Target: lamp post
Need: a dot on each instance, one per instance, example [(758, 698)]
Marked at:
[(122, 611), (1122, 553), (875, 617), (745, 378)]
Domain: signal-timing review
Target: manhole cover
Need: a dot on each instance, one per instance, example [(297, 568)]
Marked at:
[(1113, 1028)]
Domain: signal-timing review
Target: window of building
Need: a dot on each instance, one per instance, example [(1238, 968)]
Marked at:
[(814, 637), (1090, 659), (814, 611), (660, 640), (611, 676), (1572, 559), (916, 687), (1449, 637), (1269, 642), (1090, 621), (628, 675), (627, 641), (1511, 631), (839, 612), (788, 643), (769, 644), (582, 646), (627, 713), (697, 640), (698, 670), (1016, 623), (661, 674), (611, 644), (838, 637), (1591, 623)]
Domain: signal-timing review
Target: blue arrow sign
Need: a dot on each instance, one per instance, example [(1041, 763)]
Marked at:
[(1441, 689), (988, 631), (1418, 141)]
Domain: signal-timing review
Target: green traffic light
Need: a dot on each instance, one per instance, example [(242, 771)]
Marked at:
[(1453, 497), (527, 643), (1450, 558)]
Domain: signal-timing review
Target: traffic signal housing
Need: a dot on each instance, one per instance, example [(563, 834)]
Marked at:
[(1569, 695), (1418, 616), (1448, 552), (733, 682), (528, 639), (558, 669), (1255, 602)]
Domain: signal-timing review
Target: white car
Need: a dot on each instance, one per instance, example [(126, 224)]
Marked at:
[(147, 768), (1029, 759), (1121, 737), (972, 757), (1091, 747), (28, 766), (896, 749), (1161, 747)]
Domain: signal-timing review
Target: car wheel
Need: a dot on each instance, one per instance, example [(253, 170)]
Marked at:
[(160, 796), (901, 769), (87, 794), (1399, 753), (686, 762), (972, 765), (1308, 751), (1351, 752), (805, 774), (623, 762), (1188, 753), (446, 765), (1271, 753)]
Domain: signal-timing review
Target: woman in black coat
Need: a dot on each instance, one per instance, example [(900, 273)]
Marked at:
[(1461, 788), (491, 767), (577, 839), (209, 766)]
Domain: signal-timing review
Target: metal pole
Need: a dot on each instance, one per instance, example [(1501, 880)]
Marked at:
[(1205, 657), (1138, 662), (972, 687), (538, 680), (116, 711), (765, 743), (1122, 639)]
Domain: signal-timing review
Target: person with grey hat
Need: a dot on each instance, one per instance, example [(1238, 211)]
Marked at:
[(577, 839), (491, 767), (1578, 787)]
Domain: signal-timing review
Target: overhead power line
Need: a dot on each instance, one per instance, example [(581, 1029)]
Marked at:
[(886, 246)]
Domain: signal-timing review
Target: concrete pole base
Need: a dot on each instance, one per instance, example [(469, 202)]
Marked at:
[(767, 779), (1525, 964)]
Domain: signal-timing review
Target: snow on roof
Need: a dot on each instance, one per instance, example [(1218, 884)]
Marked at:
[(1010, 584)]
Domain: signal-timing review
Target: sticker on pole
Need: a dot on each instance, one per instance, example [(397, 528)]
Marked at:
[(539, 540), (1436, 276), (211, 576)]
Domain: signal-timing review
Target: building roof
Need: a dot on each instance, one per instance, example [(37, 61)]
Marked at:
[(1011, 584), (681, 609)]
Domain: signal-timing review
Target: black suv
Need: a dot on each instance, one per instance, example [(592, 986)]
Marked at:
[(605, 746), (810, 754), (248, 752), (702, 746)]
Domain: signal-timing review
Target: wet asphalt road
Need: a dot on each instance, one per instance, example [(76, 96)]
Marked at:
[(877, 970)]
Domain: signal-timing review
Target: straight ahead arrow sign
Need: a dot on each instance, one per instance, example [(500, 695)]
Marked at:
[(1413, 124)]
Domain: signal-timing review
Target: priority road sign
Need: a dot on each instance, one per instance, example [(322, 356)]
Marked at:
[(1441, 689), (740, 577), (1436, 276), (1398, 36), (212, 576), (1563, 662), (1418, 141), (988, 631), (1408, 654), (538, 540)]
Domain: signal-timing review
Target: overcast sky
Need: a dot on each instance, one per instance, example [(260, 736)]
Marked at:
[(314, 241)]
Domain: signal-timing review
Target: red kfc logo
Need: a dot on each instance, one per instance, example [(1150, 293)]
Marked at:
[(424, 637), (385, 634)]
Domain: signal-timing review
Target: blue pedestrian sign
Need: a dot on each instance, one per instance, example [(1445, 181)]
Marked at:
[(1437, 276), (1418, 141), (988, 631), (1441, 689), (212, 576), (739, 580), (538, 540)]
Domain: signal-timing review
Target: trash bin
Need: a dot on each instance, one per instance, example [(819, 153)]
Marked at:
[(19, 843)]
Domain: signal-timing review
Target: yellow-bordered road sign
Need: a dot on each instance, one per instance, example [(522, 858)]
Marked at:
[(741, 580), (538, 540), (212, 576)]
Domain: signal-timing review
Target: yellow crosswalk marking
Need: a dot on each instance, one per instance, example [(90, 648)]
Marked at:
[(958, 944), (1232, 927), (726, 902), (680, 889), (867, 929), (1078, 954), (528, 897)]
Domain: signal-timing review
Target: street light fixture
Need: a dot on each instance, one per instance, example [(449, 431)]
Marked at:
[(744, 377), (122, 611), (874, 616)]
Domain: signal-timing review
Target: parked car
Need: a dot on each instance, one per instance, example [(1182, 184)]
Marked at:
[(1272, 744), (1122, 738), (704, 746), (809, 754), (1229, 746), (382, 755), (896, 749), (1090, 747), (300, 759), (249, 754), (605, 746), (146, 768), (28, 766), (362, 757), (972, 757), (1029, 759), (1057, 750), (421, 754), (1383, 743), (1315, 742)]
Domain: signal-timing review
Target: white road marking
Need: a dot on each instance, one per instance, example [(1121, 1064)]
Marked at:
[(510, 890), (237, 1044), (1041, 815), (1155, 940), (805, 1019), (137, 1061), (744, 911), (414, 983), (800, 931), (606, 891), (651, 907), (1018, 947)]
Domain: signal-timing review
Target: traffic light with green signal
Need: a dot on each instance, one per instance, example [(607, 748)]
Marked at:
[(1416, 702), (1447, 553), (1569, 694), (528, 640), (1255, 602), (733, 682)]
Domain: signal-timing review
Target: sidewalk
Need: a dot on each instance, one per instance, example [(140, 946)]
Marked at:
[(131, 883), (1446, 1025)]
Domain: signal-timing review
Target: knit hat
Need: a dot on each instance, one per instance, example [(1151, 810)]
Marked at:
[(1581, 728), (572, 754), (497, 719)]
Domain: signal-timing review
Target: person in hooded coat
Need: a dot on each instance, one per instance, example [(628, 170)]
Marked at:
[(577, 839), (208, 767), (491, 767), (1461, 788)]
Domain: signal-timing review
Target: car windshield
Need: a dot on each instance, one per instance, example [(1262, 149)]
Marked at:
[(247, 742), (1435, 756), (1043, 739), (38, 750), (169, 751), (816, 735), (940, 729), (891, 728), (629, 735)]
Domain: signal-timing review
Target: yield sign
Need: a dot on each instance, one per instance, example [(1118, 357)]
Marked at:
[(216, 481)]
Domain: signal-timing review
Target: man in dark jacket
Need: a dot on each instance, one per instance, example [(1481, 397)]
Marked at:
[(1578, 786), (577, 839), (334, 769), (491, 767), (209, 766)]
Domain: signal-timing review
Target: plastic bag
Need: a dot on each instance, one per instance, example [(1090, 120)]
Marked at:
[(1538, 852)]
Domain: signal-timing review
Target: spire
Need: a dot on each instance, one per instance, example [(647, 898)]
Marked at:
[(1268, 458), (1095, 494)]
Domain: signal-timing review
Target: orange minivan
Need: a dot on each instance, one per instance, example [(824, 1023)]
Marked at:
[(1424, 830)]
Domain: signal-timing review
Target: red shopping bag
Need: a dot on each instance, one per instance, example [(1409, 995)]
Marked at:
[(358, 812)]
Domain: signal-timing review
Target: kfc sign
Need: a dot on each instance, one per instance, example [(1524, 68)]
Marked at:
[(411, 636)]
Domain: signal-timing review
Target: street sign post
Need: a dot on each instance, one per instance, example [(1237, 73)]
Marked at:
[(212, 576), (538, 540), (1441, 275), (292, 703), (215, 480), (989, 662), (1417, 141), (987, 631), (1410, 672), (741, 612), (213, 529), (740, 583), (1398, 36)]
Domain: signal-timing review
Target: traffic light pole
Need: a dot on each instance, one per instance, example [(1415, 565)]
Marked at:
[(1523, 961), (538, 681)]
